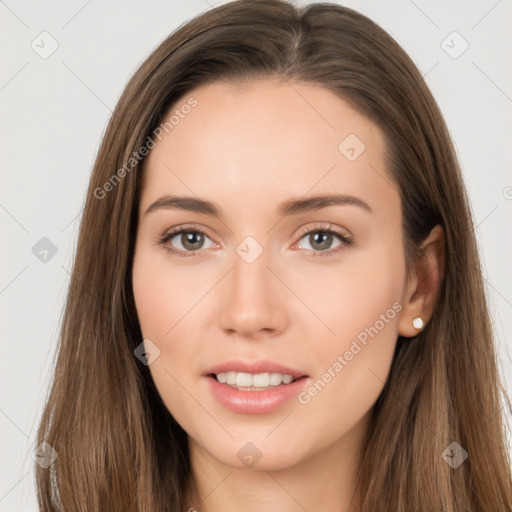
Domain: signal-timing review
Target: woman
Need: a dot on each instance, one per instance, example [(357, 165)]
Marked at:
[(212, 355)]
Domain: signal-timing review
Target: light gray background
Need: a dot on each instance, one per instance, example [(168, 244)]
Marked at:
[(54, 112)]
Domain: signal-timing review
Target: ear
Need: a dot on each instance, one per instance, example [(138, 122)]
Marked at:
[(422, 288)]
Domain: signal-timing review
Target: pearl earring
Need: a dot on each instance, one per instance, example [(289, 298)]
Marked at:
[(418, 323)]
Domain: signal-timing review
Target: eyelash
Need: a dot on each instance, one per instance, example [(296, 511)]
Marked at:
[(346, 240)]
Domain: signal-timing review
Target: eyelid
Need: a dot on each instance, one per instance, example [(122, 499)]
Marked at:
[(187, 227), (325, 227)]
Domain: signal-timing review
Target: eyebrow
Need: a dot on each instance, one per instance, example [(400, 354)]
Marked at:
[(287, 208)]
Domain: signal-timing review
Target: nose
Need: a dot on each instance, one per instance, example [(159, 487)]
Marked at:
[(252, 300)]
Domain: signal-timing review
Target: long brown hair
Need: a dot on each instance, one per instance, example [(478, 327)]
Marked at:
[(118, 446)]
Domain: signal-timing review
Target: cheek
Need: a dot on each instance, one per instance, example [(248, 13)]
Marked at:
[(363, 293), (163, 319), (162, 297), (169, 307), (354, 366)]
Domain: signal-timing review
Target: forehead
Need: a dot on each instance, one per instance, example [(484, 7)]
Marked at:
[(266, 140)]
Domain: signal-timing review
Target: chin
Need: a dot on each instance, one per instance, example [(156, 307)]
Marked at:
[(257, 456)]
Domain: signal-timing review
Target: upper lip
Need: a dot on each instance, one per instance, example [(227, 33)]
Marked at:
[(254, 367)]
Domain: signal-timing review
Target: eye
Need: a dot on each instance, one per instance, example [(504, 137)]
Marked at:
[(321, 238), (190, 239)]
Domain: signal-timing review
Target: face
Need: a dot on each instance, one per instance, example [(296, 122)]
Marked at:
[(265, 286)]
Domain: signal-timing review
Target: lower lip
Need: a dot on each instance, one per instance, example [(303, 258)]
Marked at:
[(254, 402)]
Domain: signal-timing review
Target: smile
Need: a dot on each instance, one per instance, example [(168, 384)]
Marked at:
[(253, 382)]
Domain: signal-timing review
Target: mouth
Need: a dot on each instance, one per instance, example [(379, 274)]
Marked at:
[(254, 393), (254, 381), (254, 387)]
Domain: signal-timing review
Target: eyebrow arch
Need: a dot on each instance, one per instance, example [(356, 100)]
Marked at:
[(287, 208)]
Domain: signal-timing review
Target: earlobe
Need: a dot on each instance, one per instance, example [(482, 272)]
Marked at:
[(421, 295)]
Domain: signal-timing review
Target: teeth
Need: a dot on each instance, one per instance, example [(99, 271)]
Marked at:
[(244, 379), (249, 380)]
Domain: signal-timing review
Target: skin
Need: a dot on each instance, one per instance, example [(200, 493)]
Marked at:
[(248, 148)]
